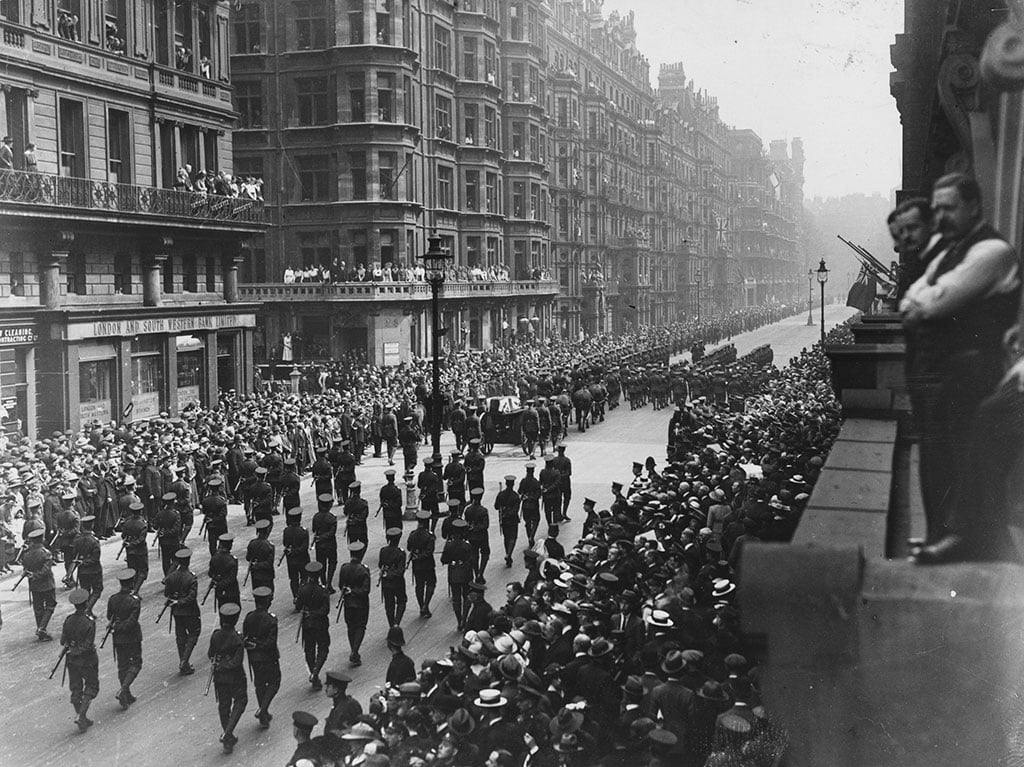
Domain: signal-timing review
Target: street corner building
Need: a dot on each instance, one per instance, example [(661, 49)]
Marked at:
[(118, 282)]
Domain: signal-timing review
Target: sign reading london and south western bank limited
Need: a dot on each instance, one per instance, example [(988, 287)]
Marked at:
[(122, 328)]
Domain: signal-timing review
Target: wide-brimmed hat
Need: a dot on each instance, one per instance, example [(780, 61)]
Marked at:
[(359, 731), (490, 698), (461, 722), (567, 721)]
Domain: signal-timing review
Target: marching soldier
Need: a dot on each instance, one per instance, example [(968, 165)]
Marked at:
[(345, 471), (508, 503), (389, 430), (90, 569), (223, 572), (421, 557), (555, 421), (431, 490), (471, 430), (290, 485), (325, 538), (136, 547), (273, 462), (295, 540), (474, 464), (391, 501), (455, 476), (215, 509), (457, 420), (564, 466), (409, 439), (227, 654), (543, 425), (529, 424), (181, 591), (262, 495), (354, 582), (454, 512), (246, 483), (551, 490), (323, 474), (78, 636), (356, 511), (260, 556), (67, 531), (123, 622), (181, 490), (259, 633), (478, 519), (458, 556), (392, 563), (529, 494), (126, 496), (38, 563), (314, 603), (168, 532)]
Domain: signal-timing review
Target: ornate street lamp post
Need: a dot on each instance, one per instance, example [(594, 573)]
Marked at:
[(822, 279), (810, 298), (435, 260)]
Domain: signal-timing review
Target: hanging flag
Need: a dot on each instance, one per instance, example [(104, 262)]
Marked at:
[(862, 292)]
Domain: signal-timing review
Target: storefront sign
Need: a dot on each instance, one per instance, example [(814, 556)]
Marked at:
[(98, 410), (146, 406), (186, 396), (122, 328), (392, 356), (18, 336)]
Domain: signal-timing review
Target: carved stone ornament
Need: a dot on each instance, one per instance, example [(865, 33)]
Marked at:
[(1002, 59), (958, 84)]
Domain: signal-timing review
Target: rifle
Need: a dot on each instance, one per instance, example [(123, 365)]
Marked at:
[(53, 540), (341, 604), (120, 551), (209, 681), (63, 653), (110, 629), (167, 603), (285, 552), (70, 577), (298, 634), (202, 527), (248, 570), (208, 590), (24, 575)]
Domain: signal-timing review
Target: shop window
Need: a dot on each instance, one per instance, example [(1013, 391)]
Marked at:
[(147, 384), (95, 390), (190, 372)]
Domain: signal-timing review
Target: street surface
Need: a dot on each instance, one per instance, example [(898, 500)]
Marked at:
[(173, 723)]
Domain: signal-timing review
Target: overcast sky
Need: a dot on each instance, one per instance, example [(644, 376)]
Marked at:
[(817, 69)]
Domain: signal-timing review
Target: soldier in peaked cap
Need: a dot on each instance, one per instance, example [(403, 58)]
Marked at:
[(409, 439), (323, 474), (308, 750), (67, 530), (563, 464), (223, 572), (529, 494), (478, 519), (455, 476), (214, 508), (314, 603), (38, 564), (136, 547), (259, 635), (295, 540), (551, 490), (401, 669), (90, 569), (78, 635), (474, 463), (290, 484), (345, 710), (458, 555), (354, 582), (227, 654), (391, 562), (431, 490), (123, 621), (260, 556), (168, 531), (507, 504), (391, 501), (357, 512), (325, 538), (181, 589), (421, 545)]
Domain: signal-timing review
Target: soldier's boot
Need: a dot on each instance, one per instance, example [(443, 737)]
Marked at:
[(124, 695), (44, 621), (321, 659), (185, 668), (93, 598), (399, 611), (228, 739), (83, 721)]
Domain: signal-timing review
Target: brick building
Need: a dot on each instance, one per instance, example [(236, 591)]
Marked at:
[(118, 293)]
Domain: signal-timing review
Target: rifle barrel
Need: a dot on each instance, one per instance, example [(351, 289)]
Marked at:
[(18, 583), (63, 652)]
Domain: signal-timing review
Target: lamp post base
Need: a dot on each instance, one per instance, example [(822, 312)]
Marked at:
[(810, 320)]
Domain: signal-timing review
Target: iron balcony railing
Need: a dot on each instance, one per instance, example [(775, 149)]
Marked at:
[(86, 194)]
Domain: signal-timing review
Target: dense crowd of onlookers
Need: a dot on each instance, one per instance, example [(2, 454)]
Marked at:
[(341, 271)]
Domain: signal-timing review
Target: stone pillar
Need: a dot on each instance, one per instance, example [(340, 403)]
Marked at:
[(50, 278), (231, 265), (152, 267)]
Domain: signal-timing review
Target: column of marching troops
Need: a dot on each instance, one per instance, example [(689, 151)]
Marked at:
[(311, 557)]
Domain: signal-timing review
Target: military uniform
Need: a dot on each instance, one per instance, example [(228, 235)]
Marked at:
[(345, 710), (78, 635), (314, 603), (356, 511), (354, 582), (215, 509), (290, 485), (421, 544), (123, 618), (182, 588), (325, 538), (37, 562), (168, 532), (507, 503), (455, 476), (226, 654), (478, 519), (392, 562), (474, 464), (529, 494), (259, 634), (295, 540), (136, 546), (391, 501), (260, 556), (551, 491), (409, 439), (345, 474), (90, 569), (564, 467), (431, 491), (458, 555)]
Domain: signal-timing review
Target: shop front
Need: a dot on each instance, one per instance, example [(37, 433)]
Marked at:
[(133, 370), (17, 379)]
